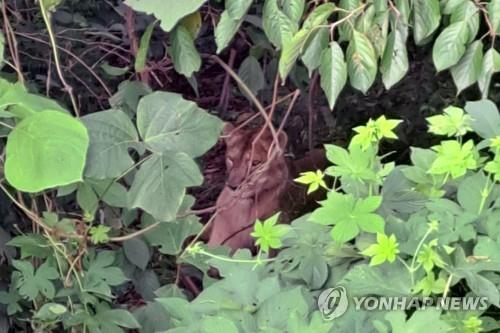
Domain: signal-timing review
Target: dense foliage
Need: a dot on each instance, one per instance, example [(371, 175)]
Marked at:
[(100, 233)]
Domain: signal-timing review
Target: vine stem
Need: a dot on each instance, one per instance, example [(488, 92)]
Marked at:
[(67, 87)]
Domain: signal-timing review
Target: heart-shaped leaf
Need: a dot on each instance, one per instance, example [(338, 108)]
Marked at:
[(46, 150)]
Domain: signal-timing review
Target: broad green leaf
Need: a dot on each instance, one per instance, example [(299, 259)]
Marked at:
[(168, 11), (361, 62), (137, 252), (276, 24), (16, 99), (468, 13), (169, 123), (230, 22), (426, 18), (394, 65), (237, 8), (142, 53), (299, 324), (383, 280), (46, 150), (491, 65), (171, 236), (486, 118), (184, 55), (451, 5), (494, 14), (275, 311), (211, 324), (294, 9), (294, 46), (333, 72), (312, 53), (111, 135), (450, 46), (250, 72), (345, 29), (467, 71), (160, 184)]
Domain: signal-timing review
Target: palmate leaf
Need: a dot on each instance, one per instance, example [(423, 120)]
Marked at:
[(333, 72), (31, 283), (450, 45), (426, 18), (168, 11), (46, 150), (467, 71), (169, 123), (427, 320), (361, 62), (160, 184), (111, 135)]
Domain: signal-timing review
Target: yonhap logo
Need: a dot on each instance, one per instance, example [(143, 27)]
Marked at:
[(333, 302)]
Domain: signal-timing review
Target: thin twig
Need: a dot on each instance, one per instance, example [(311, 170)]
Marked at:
[(67, 87)]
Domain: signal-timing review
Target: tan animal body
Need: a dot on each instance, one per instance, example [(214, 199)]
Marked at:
[(256, 180)]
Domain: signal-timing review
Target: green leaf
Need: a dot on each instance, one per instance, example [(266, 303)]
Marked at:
[(50, 311), (468, 69), (275, 311), (314, 49), (294, 45), (382, 280), (450, 46), (184, 55), (467, 12), (230, 22), (454, 159), (394, 64), (426, 18), (333, 72), (101, 273), (277, 26), (21, 103), (427, 320), (349, 215), (160, 184), (250, 72), (142, 53), (300, 324), (386, 249), (454, 122), (46, 150), (137, 252), (486, 118), (113, 70), (361, 62), (31, 284), (169, 123), (494, 14), (221, 324), (111, 135), (491, 65), (168, 11), (99, 234), (294, 9), (2, 49), (315, 180), (345, 29), (268, 235), (171, 236)]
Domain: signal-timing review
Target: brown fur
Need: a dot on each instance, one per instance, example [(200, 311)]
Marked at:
[(256, 181)]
